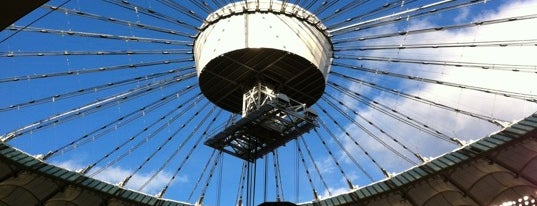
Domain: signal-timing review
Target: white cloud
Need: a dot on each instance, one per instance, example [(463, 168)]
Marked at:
[(453, 124), (325, 165), (115, 175), (463, 15)]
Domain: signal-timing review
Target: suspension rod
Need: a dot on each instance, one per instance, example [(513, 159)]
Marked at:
[(218, 159), (308, 152), (168, 140), (203, 6), (183, 162), (505, 43), (345, 8), (515, 95), (435, 29), (149, 12), (392, 18), (116, 124), (367, 131), (180, 8), (144, 140), (313, 190), (278, 177), (78, 92), (385, 7), (94, 70), (325, 5), (309, 5), (336, 162), (100, 35), (117, 21), (132, 138), (242, 180), (495, 121), (91, 107), (202, 174), (375, 162), (459, 64), (397, 115), (95, 53), (356, 113)]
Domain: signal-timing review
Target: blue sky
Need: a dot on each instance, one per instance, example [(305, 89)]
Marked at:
[(454, 124)]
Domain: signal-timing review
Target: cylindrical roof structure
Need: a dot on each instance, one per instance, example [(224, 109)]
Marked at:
[(279, 44)]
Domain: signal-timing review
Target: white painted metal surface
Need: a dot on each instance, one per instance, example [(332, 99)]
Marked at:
[(267, 24)]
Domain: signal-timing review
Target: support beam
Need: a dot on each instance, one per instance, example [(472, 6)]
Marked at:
[(269, 120), (465, 193)]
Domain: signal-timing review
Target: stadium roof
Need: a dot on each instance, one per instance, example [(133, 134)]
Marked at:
[(490, 171)]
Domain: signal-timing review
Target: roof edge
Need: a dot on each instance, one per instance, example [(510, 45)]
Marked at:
[(514, 133)]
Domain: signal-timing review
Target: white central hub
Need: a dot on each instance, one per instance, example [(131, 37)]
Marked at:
[(280, 44)]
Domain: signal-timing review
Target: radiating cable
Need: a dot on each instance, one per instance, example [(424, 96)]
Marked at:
[(366, 153), (218, 160), (164, 52), (314, 163), (336, 161), (310, 180), (167, 141), (515, 95), (458, 64), (186, 44), (381, 130), (337, 41), (146, 139), (137, 8), (99, 69), (178, 149), (365, 130), (393, 18), (117, 21), (118, 123), (344, 8), (498, 122), (78, 92), (91, 107), (472, 44), (180, 8), (397, 115), (129, 140), (367, 13)]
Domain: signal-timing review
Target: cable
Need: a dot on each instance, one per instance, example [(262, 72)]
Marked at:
[(118, 21), (36, 20), (99, 69), (434, 29), (515, 95), (101, 36)]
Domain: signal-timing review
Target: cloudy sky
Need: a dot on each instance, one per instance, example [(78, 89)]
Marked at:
[(460, 126)]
